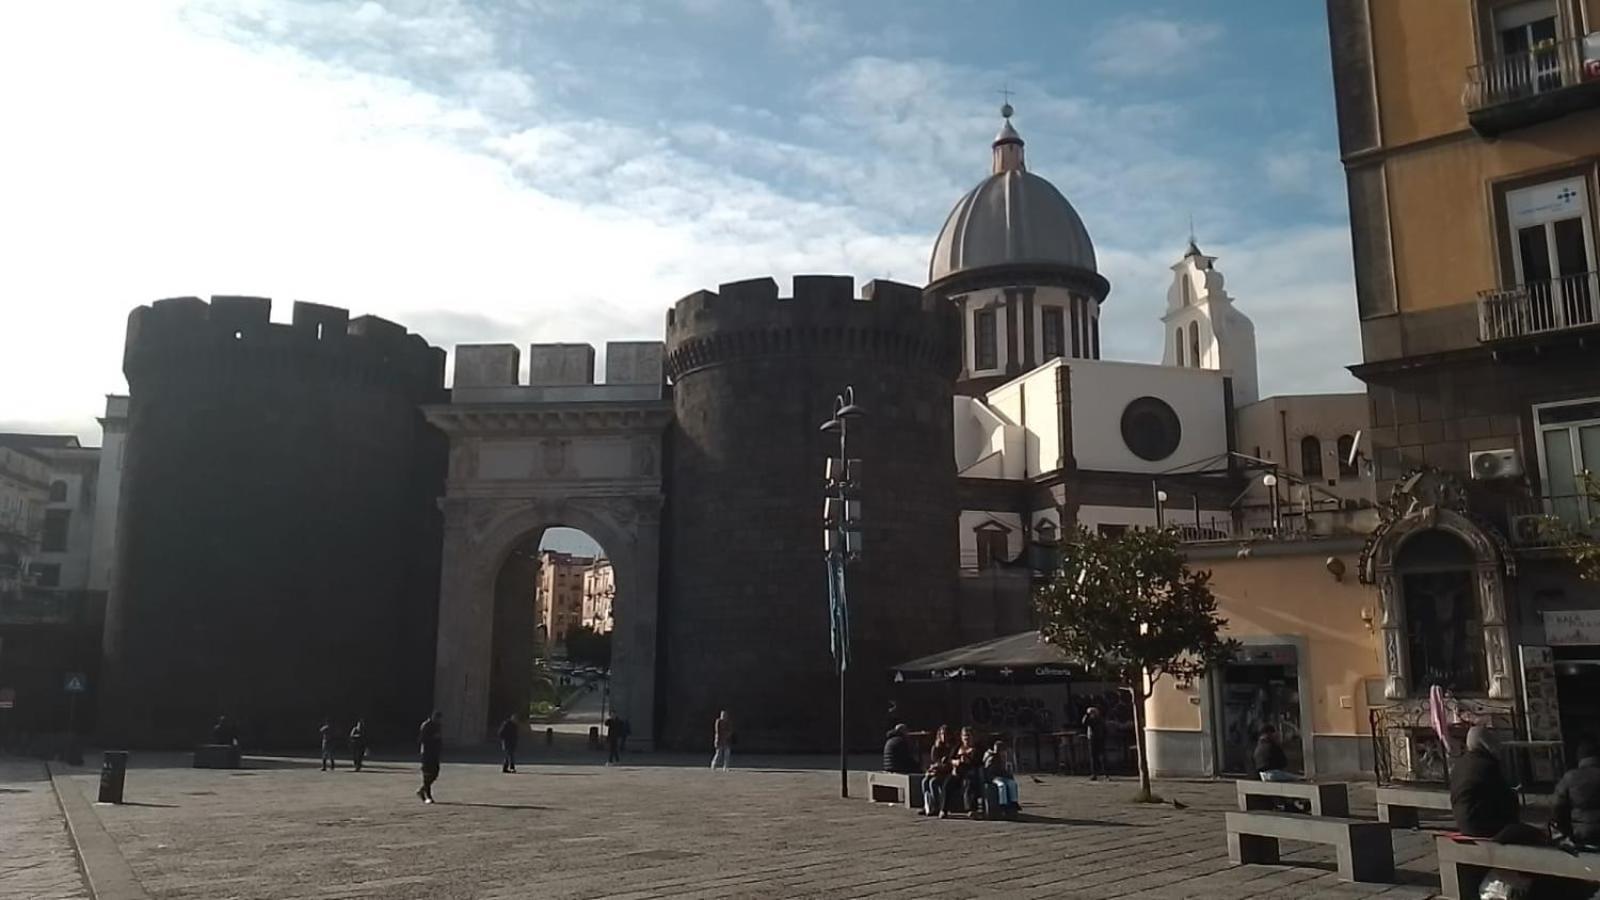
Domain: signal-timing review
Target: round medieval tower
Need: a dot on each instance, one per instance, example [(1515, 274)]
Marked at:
[(279, 537), (744, 619)]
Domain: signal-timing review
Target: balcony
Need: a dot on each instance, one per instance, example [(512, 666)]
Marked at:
[(1547, 82), (1546, 307), (1551, 522)]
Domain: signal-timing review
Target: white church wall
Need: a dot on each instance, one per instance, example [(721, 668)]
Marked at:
[(1029, 400), (1102, 390), (982, 436)]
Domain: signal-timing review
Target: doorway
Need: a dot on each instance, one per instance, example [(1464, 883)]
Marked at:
[(1260, 687)]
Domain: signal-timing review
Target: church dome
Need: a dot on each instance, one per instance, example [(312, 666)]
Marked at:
[(1011, 218)]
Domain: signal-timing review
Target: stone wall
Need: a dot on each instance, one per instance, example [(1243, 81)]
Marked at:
[(744, 622), (279, 529)]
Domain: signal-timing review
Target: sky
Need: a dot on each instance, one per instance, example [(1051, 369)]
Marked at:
[(562, 170)]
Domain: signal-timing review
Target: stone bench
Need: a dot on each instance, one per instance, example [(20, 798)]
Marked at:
[(1330, 799), (216, 756), (1398, 805), (1464, 862), (1362, 848), (895, 787)]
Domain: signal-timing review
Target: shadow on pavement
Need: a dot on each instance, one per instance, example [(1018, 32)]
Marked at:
[(492, 805), (1036, 819)]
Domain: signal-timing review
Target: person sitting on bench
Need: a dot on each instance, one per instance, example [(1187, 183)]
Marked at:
[(1480, 796), (898, 757), (1576, 814), (969, 771), (940, 781), (1270, 761), (997, 770)]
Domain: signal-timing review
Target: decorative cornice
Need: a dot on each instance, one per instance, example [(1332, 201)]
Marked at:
[(559, 418)]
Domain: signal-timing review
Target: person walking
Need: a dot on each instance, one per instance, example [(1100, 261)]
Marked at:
[(1094, 728), (722, 737), (358, 743), (510, 732), (326, 733), (430, 746), (613, 726)]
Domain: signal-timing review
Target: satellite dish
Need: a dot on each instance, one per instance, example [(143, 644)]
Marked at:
[(1355, 449)]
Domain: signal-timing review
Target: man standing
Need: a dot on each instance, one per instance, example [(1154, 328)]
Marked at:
[(510, 731), (722, 736), (430, 741), (358, 743), (326, 732), (1094, 728), (613, 726)]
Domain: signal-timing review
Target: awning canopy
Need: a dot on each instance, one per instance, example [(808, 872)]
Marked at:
[(1023, 658)]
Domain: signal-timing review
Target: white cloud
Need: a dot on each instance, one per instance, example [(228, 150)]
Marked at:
[(411, 164), (1132, 47)]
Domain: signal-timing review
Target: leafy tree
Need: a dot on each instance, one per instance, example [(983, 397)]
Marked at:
[(585, 646), (1582, 545), (1131, 608)]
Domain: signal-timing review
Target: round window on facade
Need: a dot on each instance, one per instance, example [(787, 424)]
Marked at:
[(1151, 428)]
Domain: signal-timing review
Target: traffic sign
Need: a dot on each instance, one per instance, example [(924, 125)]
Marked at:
[(8, 698), (76, 683)]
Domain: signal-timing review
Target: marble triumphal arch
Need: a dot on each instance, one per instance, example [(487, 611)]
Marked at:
[(559, 450)]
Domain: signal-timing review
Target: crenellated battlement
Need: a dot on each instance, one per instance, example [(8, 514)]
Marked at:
[(187, 331), (889, 320)]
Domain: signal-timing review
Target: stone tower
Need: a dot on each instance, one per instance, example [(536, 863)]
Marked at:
[(1204, 330), (744, 618), (278, 533)]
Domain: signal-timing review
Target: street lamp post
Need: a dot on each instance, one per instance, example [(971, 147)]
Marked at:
[(1270, 481), (841, 542)]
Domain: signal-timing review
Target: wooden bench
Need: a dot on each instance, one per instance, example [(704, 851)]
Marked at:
[(1362, 848), (1329, 799), (895, 787), (216, 756), (1398, 805), (1464, 862)]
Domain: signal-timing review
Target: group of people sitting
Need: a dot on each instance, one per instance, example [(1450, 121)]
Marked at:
[(956, 770), (1485, 803)]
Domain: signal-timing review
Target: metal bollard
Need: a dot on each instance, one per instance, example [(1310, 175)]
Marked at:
[(594, 738), (113, 772)]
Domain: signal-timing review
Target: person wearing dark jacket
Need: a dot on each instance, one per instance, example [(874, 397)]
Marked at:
[(430, 747), (1576, 814), (898, 755), (1094, 729), (1270, 761), (1480, 796), (510, 731), (358, 743)]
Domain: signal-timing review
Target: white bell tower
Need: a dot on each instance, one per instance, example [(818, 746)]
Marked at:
[(1204, 330)]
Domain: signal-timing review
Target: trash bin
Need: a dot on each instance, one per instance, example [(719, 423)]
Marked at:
[(113, 771)]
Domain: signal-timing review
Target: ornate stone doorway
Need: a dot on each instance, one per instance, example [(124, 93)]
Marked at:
[(525, 458)]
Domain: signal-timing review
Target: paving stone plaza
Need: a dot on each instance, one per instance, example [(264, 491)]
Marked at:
[(567, 828)]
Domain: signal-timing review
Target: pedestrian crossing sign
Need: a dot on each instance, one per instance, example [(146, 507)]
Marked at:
[(76, 683)]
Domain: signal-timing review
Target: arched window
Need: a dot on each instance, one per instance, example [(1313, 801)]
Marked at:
[(1311, 456), (1443, 620), (1347, 468), (58, 492), (1177, 344), (1194, 344)]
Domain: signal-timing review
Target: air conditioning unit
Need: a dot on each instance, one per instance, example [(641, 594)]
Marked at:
[(1490, 464)]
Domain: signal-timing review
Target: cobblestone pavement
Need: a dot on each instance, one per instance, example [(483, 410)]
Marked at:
[(580, 830), (36, 856)]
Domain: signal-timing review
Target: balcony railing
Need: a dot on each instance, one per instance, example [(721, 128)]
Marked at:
[(1560, 304), (1534, 523), (1545, 69)]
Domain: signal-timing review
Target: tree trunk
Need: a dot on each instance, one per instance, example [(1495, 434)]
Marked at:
[(1139, 697)]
